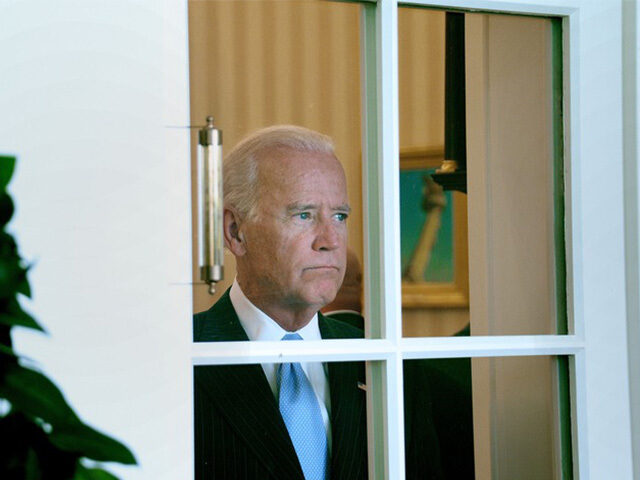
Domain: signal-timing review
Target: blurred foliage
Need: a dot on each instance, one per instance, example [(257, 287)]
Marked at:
[(41, 437)]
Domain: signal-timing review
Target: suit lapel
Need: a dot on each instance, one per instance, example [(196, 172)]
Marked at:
[(242, 395), (348, 412), (218, 324)]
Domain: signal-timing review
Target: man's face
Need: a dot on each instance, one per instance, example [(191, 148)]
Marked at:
[(295, 243)]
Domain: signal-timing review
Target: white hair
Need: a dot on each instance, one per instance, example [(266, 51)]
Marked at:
[(241, 164)]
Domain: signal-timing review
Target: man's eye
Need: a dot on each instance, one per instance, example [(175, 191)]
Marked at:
[(341, 217), (304, 215)]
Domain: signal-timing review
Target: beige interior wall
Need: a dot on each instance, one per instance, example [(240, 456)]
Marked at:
[(421, 77), (254, 64)]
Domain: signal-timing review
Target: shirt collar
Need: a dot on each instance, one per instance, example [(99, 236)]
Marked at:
[(259, 326)]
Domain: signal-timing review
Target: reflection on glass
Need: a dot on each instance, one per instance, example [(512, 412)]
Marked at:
[(433, 222), (427, 228), (509, 419), (511, 220)]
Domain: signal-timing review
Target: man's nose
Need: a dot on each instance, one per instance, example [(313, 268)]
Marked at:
[(327, 236)]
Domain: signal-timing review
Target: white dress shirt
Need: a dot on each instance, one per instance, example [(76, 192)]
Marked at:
[(260, 327)]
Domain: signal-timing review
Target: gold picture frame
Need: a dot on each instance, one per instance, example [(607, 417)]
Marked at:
[(435, 294)]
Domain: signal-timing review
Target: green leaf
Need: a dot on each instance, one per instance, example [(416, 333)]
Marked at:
[(35, 395), (32, 468), (23, 286), (84, 473), (7, 351), (20, 321), (90, 443), (25, 439), (14, 316), (6, 208), (13, 275), (7, 165)]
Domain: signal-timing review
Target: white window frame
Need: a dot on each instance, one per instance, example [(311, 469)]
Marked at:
[(595, 233)]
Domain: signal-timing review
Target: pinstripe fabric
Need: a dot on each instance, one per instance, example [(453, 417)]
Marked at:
[(239, 432), (348, 408)]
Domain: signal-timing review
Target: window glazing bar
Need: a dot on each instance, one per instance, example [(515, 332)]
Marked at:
[(382, 235), (542, 7), (491, 346), (233, 353)]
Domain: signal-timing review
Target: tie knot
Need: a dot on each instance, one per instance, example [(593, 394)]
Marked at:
[(292, 336)]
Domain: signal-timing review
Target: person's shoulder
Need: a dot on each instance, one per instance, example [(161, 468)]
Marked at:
[(218, 323), (334, 328), (348, 316)]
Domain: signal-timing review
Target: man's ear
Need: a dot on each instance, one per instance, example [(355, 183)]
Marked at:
[(233, 238)]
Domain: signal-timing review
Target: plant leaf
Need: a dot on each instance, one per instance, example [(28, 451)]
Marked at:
[(14, 316), (6, 208), (27, 452), (90, 443), (32, 468), (84, 473), (7, 165), (35, 395), (13, 275), (7, 351)]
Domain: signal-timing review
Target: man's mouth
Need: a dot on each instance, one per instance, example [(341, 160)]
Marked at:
[(323, 268)]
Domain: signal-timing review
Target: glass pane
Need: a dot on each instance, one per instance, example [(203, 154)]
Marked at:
[(253, 65), (487, 418), (256, 64), (247, 426), (490, 235)]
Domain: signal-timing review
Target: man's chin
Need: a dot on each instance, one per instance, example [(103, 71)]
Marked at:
[(322, 298)]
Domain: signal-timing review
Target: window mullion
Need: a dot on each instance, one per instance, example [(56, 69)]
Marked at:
[(389, 185), (382, 235), (389, 167), (491, 346)]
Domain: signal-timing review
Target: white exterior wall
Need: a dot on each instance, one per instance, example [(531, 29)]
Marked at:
[(599, 240), (631, 88), (102, 194)]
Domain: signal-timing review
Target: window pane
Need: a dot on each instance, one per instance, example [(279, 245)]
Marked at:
[(252, 65), (508, 419), (243, 431), (255, 64), (493, 243)]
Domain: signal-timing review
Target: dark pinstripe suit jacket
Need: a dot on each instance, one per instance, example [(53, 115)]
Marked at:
[(239, 433)]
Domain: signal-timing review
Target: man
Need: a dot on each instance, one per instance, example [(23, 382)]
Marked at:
[(285, 217)]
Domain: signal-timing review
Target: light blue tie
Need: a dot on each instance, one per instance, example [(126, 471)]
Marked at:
[(301, 414)]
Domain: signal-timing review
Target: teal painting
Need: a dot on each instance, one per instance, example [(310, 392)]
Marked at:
[(419, 198)]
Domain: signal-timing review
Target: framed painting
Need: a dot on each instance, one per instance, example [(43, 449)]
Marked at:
[(433, 235)]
